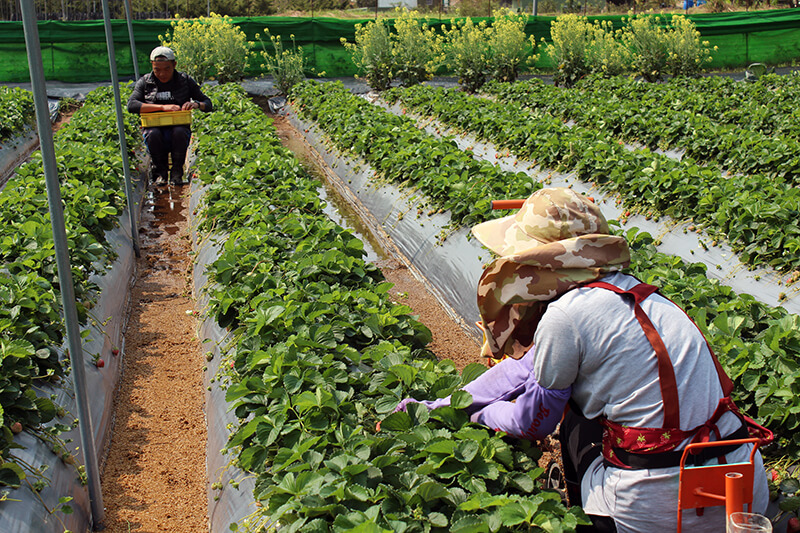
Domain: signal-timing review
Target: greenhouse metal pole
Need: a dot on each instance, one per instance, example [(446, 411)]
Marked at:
[(129, 15), (112, 63), (62, 259)]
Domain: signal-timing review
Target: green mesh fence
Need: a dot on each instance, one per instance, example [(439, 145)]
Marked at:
[(76, 51)]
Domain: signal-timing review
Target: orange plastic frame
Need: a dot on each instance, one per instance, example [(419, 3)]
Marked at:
[(710, 486), (514, 204)]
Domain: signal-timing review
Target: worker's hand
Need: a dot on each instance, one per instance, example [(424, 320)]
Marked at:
[(170, 107), (190, 105)]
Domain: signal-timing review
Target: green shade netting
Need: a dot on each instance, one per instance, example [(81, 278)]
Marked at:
[(76, 51)]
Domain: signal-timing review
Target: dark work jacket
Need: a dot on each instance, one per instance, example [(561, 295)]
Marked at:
[(179, 90)]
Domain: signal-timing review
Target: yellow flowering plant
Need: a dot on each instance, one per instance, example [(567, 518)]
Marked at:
[(571, 36), (468, 53), (372, 53), (209, 46), (287, 66), (606, 55), (510, 49), (417, 51), (646, 38), (686, 53)]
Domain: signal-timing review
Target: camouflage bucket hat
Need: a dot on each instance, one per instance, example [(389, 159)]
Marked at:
[(557, 241), (548, 215)]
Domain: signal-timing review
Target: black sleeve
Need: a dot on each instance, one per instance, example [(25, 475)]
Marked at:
[(197, 95), (137, 97)]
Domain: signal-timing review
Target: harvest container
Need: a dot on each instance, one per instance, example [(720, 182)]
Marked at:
[(166, 118)]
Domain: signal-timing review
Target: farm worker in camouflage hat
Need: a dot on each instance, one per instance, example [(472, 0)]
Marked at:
[(568, 326), (555, 242)]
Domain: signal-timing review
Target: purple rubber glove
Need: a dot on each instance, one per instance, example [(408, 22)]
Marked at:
[(535, 413), (430, 404)]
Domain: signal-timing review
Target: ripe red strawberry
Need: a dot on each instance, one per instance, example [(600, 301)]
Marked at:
[(16, 427), (774, 474), (100, 363), (115, 351), (794, 525)]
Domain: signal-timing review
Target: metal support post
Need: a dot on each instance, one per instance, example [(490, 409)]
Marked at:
[(112, 62), (129, 15), (62, 259)]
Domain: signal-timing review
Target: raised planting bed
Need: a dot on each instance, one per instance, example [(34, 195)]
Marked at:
[(764, 106), (17, 135), (319, 353), (754, 214), (658, 119), (41, 475)]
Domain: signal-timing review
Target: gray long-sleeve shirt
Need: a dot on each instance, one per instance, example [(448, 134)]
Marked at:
[(589, 338)]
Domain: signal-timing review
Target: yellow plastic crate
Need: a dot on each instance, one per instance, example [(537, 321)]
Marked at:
[(166, 118)]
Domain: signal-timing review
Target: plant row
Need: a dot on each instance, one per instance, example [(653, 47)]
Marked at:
[(414, 51), (631, 111), (766, 105), (449, 178), (756, 215), (31, 326), (758, 345), (16, 111), (320, 353)]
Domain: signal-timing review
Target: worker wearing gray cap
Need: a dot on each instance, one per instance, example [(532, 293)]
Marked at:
[(166, 89)]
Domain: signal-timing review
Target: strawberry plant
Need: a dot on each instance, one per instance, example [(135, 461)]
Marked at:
[(16, 111), (755, 214), (451, 180), (320, 354), (31, 327), (646, 114)]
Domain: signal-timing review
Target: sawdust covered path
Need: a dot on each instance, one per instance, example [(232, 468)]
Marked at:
[(154, 475)]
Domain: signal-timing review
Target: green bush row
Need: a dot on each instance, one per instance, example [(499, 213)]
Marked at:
[(414, 51), (649, 46)]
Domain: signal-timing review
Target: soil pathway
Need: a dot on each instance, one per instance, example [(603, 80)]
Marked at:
[(154, 476)]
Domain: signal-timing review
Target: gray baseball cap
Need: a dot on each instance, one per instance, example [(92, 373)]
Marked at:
[(164, 51)]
